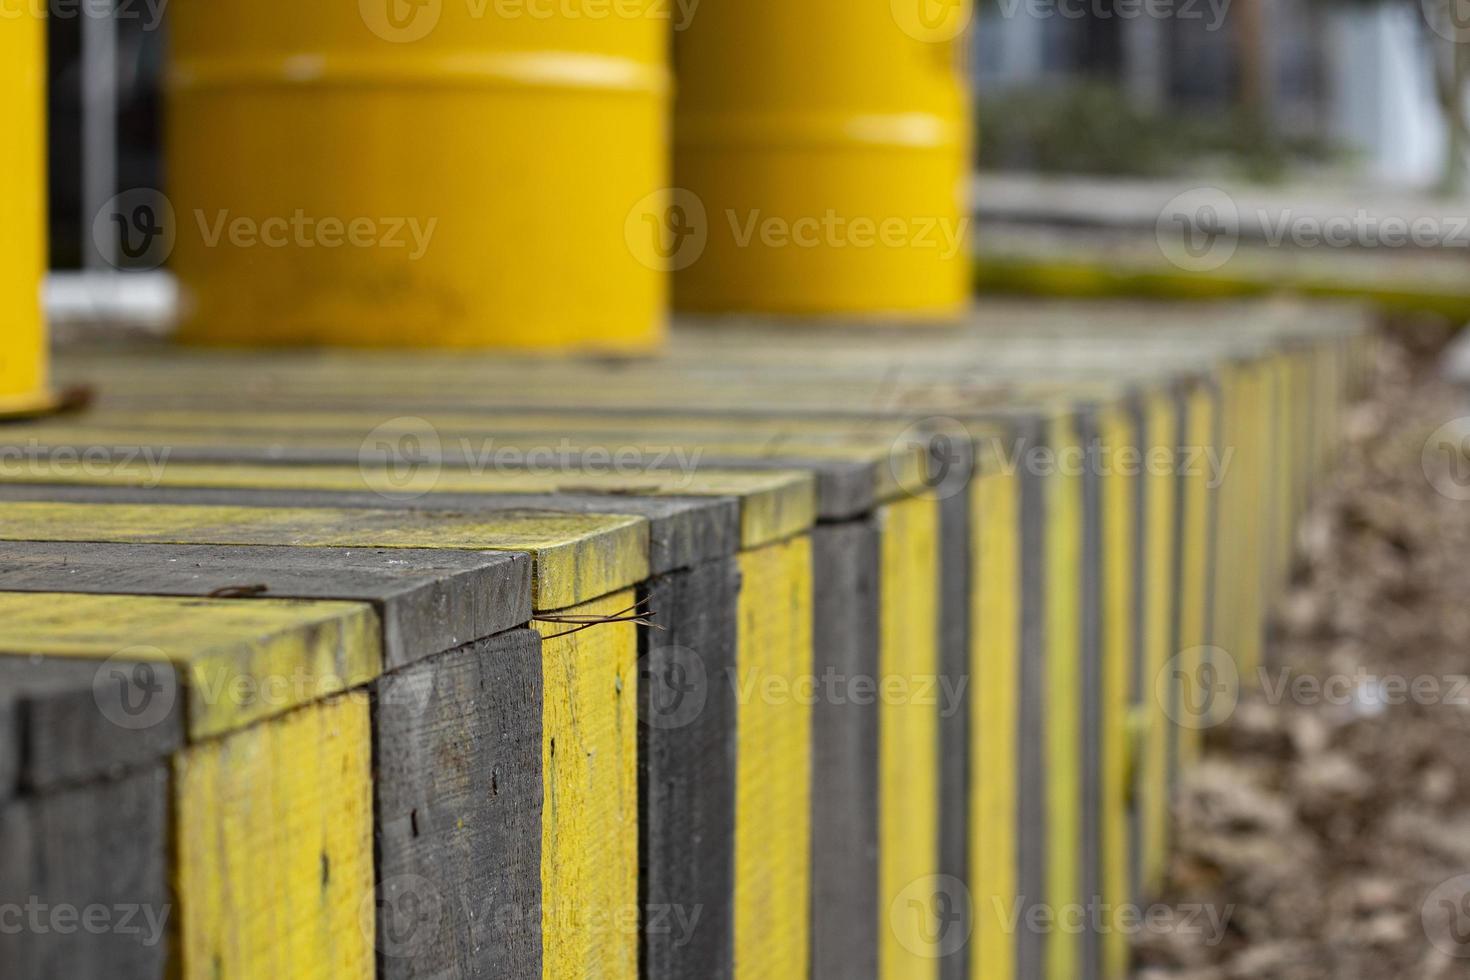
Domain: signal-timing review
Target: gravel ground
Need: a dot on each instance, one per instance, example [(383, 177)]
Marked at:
[(1330, 821)]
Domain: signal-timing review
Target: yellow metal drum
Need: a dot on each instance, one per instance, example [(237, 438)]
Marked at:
[(23, 363), (822, 155), (418, 172)]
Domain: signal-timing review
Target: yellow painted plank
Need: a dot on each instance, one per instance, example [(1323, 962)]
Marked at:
[(1283, 469), (773, 766), (589, 838), (274, 844), (1230, 519), (995, 666), (1064, 704), (242, 661), (774, 504), (908, 784), (1253, 447), (578, 557), (1159, 591), (1194, 596), (895, 467), (1119, 492)]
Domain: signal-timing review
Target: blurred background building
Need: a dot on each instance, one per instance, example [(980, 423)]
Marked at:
[(1275, 91)]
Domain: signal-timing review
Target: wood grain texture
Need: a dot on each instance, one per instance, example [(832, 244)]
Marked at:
[(428, 601), (458, 803), (275, 847), (850, 478), (686, 776), (908, 758), (73, 722), (241, 661), (681, 531), (1033, 827), (84, 881), (589, 838), (847, 917), (772, 505), (956, 759), (774, 771), (577, 557)]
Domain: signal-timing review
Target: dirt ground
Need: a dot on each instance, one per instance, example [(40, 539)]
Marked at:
[(1330, 821)]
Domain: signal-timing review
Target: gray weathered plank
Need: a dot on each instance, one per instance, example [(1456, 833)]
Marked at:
[(458, 808), (683, 531), (68, 722), (429, 600), (99, 850), (955, 762), (846, 569), (686, 778), (1031, 761), (1092, 735)]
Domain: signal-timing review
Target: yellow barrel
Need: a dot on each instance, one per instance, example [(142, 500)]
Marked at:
[(822, 157), (23, 356), (417, 173)]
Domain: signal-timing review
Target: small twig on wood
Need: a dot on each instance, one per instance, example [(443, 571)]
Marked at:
[(239, 592), (583, 622)]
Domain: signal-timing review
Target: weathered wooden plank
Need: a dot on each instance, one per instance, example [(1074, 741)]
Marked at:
[(577, 557), (1121, 648), (1159, 589), (681, 531), (241, 661), (1033, 829), (688, 748), (71, 722), (589, 839), (458, 798), (997, 733), (773, 505), (428, 601), (847, 917), (84, 882), (1064, 706), (851, 477), (773, 782), (1090, 694), (274, 847), (957, 762), (909, 743)]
